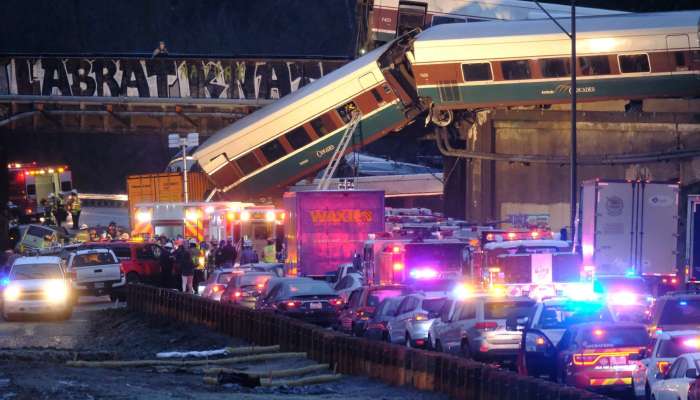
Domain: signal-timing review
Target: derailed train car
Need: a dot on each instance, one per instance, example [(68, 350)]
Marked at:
[(448, 68), (295, 136)]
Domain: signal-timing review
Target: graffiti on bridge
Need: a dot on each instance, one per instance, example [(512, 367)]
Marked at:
[(158, 77)]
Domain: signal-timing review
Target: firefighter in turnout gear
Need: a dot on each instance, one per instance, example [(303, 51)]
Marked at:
[(74, 207)]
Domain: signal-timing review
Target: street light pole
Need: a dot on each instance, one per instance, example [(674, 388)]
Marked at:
[(184, 170), (175, 141), (572, 151), (573, 154)]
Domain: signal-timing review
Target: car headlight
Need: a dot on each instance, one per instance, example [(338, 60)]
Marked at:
[(12, 293), (56, 291)]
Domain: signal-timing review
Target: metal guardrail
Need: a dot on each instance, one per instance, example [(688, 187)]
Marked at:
[(392, 364)]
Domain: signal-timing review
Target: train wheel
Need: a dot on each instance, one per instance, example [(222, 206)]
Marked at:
[(442, 118)]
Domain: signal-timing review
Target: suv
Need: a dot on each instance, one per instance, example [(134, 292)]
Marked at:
[(361, 305), (140, 261), (545, 327), (600, 355), (476, 327), (413, 319), (666, 348), (675, 312)]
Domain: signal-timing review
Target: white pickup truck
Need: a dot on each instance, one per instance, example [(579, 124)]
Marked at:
[(95, 272)]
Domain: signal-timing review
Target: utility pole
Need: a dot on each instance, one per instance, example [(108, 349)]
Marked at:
[(572, 150), (183, 142)]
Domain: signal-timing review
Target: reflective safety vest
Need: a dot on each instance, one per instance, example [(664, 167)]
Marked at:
[(75, 205), (269, 254)]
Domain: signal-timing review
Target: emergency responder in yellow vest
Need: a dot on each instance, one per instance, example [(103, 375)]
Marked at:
[(83, 234), (74, 207), (52, 204), (269, 252)]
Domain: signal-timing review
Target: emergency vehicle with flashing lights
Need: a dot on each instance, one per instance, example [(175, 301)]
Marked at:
[(395, 260), (545, 327), (30, 184), (600, 355), (528, 263), (210, 221)]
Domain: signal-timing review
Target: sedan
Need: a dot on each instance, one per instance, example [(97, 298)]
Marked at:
[(675, 383), (244, 289), (216, 283), (308, 300)]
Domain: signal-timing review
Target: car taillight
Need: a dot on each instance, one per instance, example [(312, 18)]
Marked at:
[(585, 359), (337, 302), (73, 275), (421, 317), (215, 288), (289, 304), (237, 294), (486, 325), (121, 271), (662, 366)]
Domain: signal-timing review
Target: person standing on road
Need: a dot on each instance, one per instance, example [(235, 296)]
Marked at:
[(166, 261), (270, 252), (74, 207), (229, 254), (60, 212), (248, 255), (184, 261), (219, 254)]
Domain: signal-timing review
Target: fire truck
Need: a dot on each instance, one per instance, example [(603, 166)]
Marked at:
[(528, 263), (397, 260), (31, 183), (209, 221)]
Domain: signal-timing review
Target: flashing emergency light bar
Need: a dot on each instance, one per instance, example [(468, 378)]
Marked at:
[(500, 236)]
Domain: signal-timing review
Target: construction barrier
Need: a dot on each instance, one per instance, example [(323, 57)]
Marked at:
[(396, 365)]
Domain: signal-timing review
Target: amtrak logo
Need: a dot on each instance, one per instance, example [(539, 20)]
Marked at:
[(566, 89), (325, 151)]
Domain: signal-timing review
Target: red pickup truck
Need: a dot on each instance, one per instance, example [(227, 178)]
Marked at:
[(139, 260)]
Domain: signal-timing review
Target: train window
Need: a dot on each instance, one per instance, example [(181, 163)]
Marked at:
[(248, 163), (319, 127), (477, 72), (516, 69), (345, 111), (439, 20), (634, 63), (679, 56), (273, 150), (387, 88), (476, 20), (555, 67), (298, 138), (594, 65), (377, 96)]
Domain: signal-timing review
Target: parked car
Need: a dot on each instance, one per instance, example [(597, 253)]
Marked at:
[(245, 288), (694, 390), (38, 286), (666, 348), (140, 260), (413, 319), (675, 312), (263, 299), (216, 283), (276, 268), (347, 284), (309, 300), (477, 327), (545, 327), (362, 303), (377, 326), (675, 383), (96, 272), (600, 355)]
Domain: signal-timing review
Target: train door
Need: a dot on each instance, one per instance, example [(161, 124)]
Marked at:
[(679, 51), (411, 15)]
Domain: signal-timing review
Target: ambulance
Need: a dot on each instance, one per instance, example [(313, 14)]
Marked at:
[(30, 184)]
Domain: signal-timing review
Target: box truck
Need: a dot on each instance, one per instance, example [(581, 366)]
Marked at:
[(631, 228), (692, 240), (326, 228)]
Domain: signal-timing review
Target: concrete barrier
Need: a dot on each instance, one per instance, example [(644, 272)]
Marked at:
[(393, 364)]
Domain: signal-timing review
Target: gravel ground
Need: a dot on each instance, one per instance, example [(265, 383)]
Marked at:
[(130, 336)]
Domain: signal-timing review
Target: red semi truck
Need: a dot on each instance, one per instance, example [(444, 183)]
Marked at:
[(326, 228)]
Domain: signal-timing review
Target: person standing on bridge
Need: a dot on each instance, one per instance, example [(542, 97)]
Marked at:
[(74, 207)]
